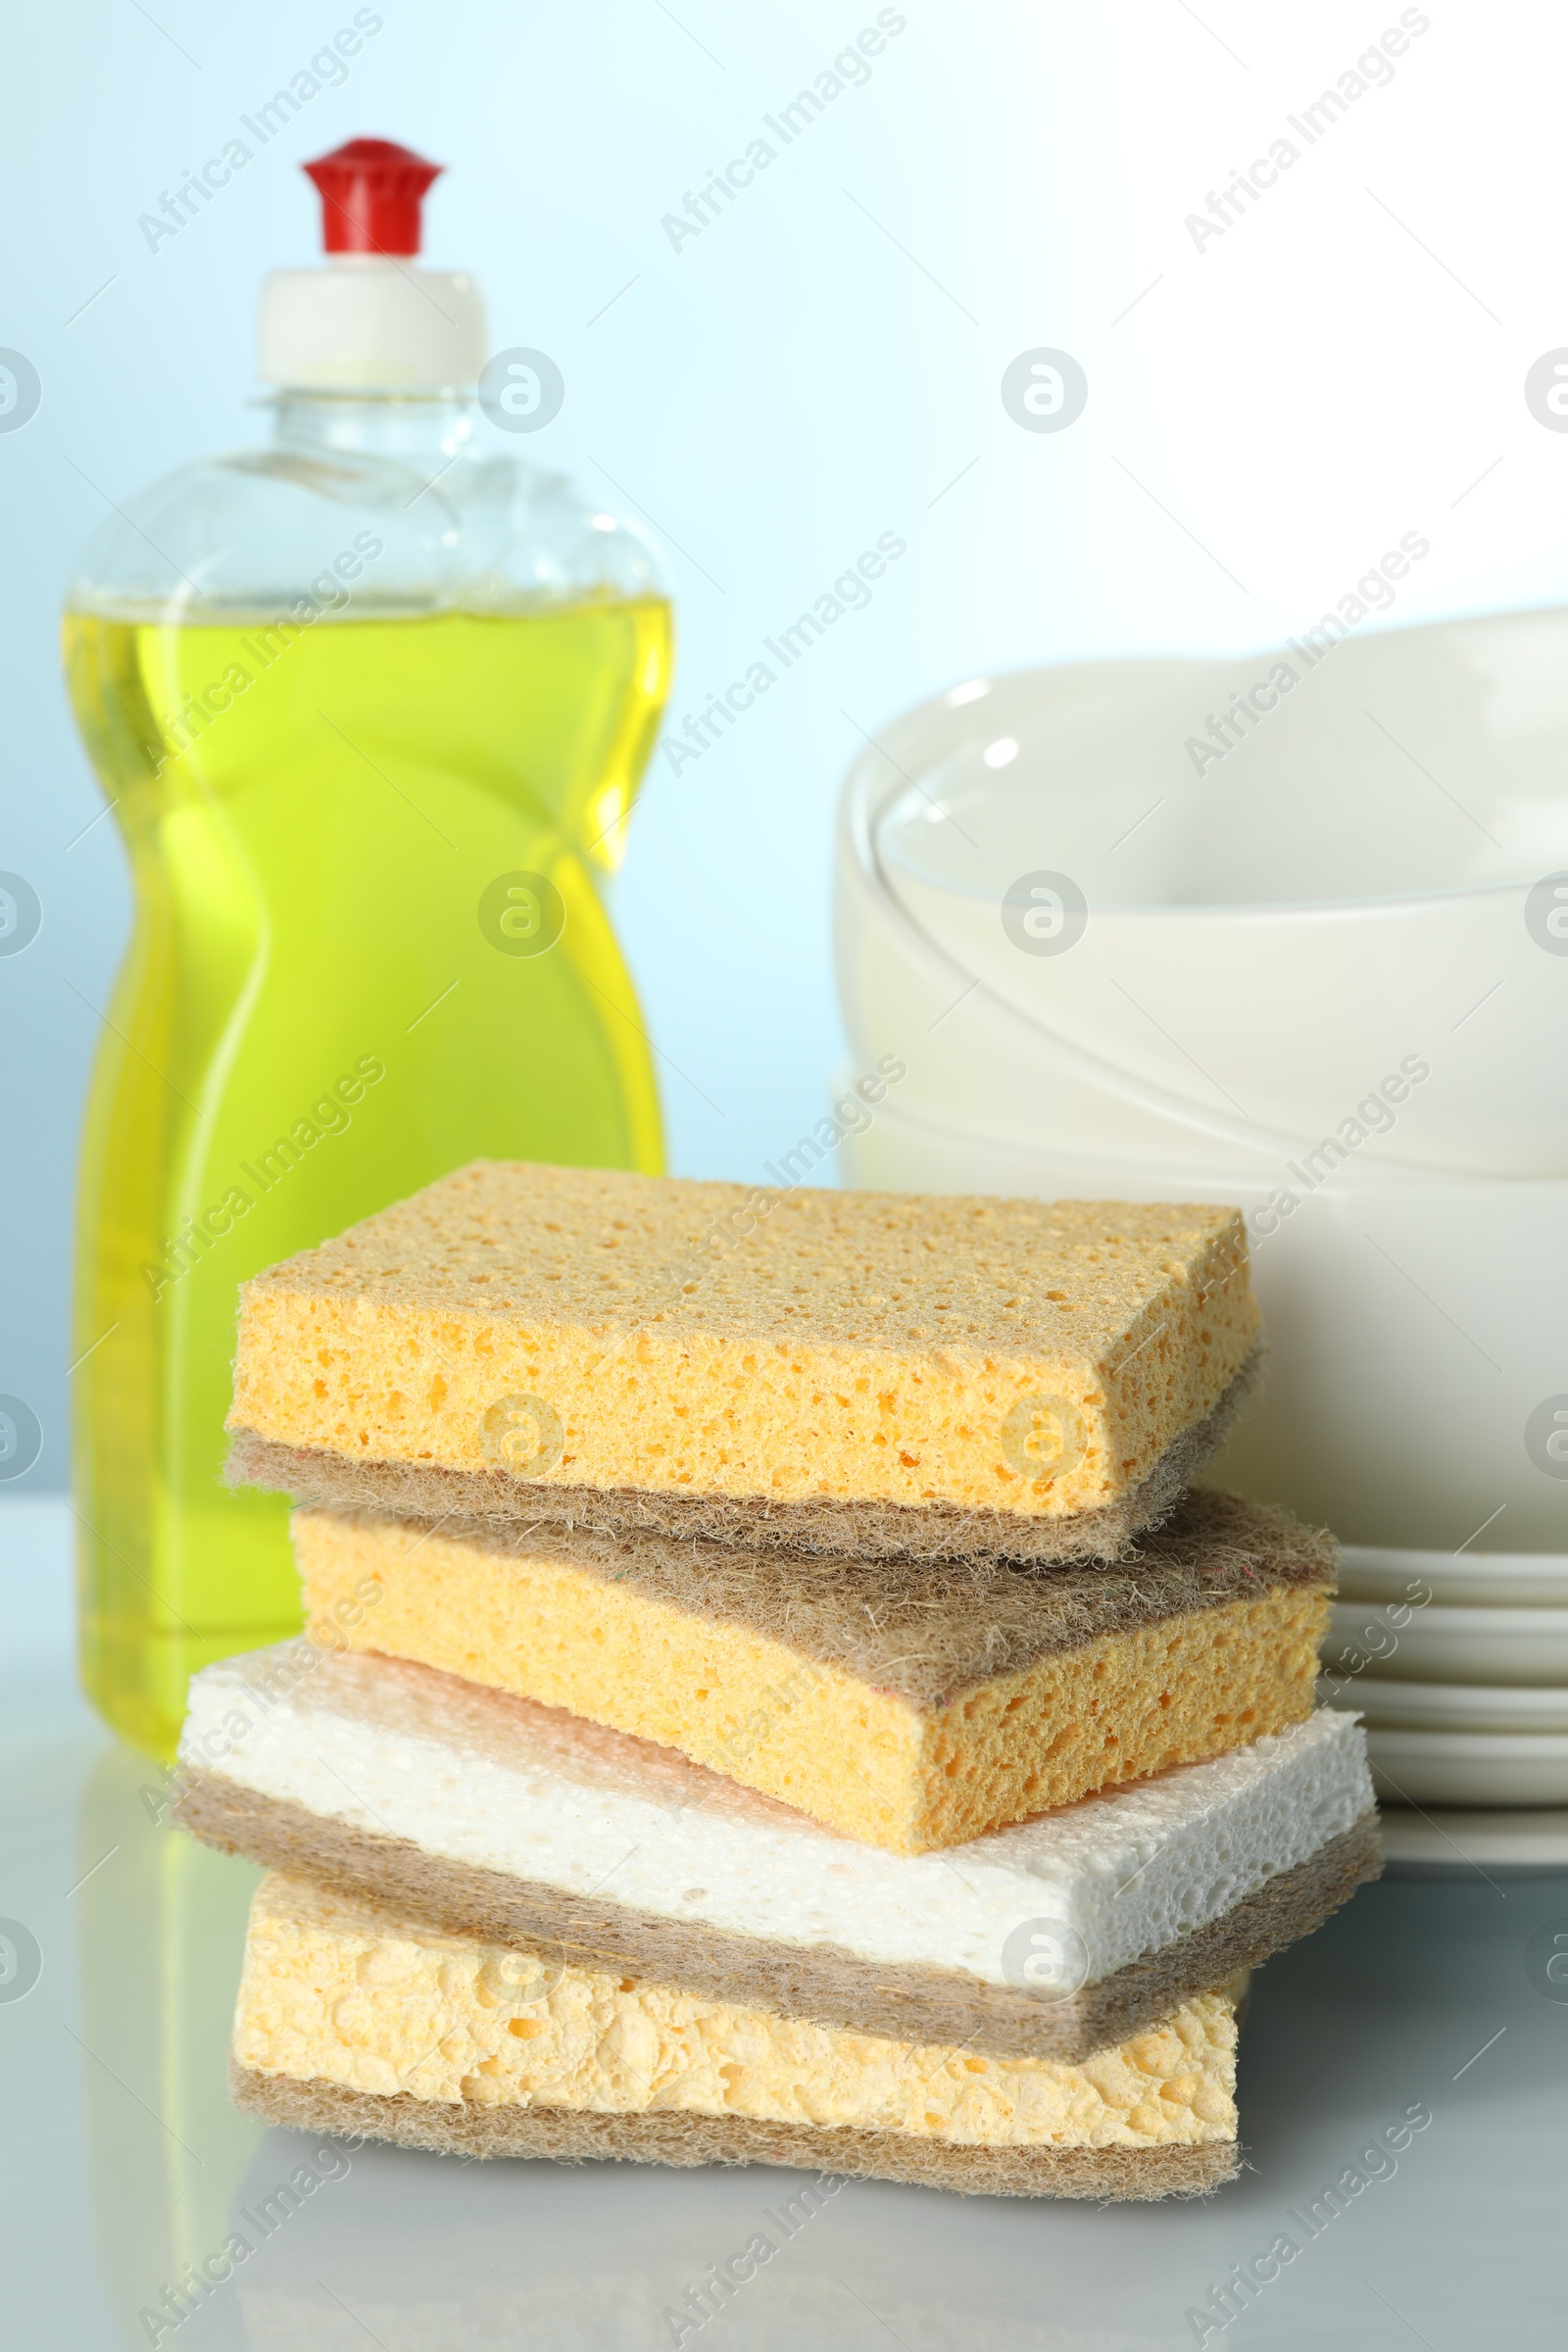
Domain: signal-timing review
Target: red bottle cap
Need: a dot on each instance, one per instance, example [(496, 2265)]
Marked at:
[(371, 191)]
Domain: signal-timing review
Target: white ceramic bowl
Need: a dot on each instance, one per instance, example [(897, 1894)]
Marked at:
[(1342, 902), (1469, 1768), (1527, 1647), (1391, 1706), (1413, 1329), (1261, 949)]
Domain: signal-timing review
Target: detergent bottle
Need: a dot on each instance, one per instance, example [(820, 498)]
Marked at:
[(369, 705)]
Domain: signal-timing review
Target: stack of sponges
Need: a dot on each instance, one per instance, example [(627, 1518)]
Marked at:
[(768, 1694)]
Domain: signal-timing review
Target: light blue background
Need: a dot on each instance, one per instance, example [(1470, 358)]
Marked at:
[(820, 365)]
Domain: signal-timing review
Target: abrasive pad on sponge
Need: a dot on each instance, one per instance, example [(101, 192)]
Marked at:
[(908, 1704), (352, 2017), (849, 1372), (487, 1816)]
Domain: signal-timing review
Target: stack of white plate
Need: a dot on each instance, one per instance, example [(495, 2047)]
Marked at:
[(1460, 1666), (1179, 930)]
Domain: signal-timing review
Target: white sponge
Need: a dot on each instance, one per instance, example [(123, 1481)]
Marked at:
[(496, 1784)]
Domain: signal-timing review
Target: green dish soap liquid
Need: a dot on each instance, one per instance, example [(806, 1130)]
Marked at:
[(370, 707)]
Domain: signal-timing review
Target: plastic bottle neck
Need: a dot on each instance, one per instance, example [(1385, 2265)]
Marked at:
[(390, 424)]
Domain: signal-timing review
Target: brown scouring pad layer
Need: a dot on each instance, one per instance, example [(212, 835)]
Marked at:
[(850, 1372), (561, 2136)]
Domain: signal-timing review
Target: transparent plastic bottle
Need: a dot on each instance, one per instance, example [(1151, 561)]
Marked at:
[(370, 706)]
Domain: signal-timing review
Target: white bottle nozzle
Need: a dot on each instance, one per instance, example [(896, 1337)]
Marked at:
[(371, 319)]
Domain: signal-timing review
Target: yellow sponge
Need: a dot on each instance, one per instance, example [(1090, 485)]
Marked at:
[(864, 1371), (340, 1993), (910, 1705)]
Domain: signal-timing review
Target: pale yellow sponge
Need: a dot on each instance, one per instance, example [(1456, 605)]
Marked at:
[(343, 1996), (855, 1371), (909, 1704)]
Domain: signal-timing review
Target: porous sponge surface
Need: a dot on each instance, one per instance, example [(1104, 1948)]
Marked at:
[(579, 1327), (866, 1761), (342, 1991)]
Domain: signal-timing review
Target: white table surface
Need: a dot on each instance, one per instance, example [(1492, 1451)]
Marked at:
[(120, 2159)]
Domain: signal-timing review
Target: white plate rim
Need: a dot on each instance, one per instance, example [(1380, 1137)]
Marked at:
[(1456, 1840), (1468, 1620), (1367, 1692), (1496, 1747), (1396, 1557), (1455, 1579)]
